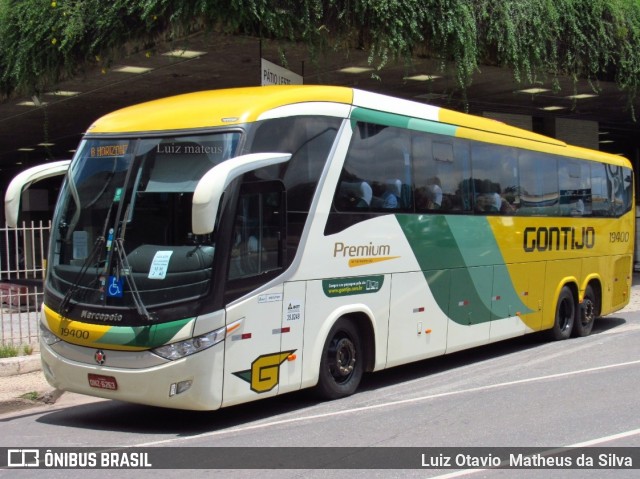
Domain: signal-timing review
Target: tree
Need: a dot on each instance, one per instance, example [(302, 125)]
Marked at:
[(43, 42)]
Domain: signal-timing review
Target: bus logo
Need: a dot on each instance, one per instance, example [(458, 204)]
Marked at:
[(364, 254), (100, 357), (558, 238), (264, 374), (23, 458)]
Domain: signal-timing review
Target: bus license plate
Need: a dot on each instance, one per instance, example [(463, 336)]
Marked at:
[(103, 382)]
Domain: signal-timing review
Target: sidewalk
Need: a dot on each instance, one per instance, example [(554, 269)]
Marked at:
[(22, 384)]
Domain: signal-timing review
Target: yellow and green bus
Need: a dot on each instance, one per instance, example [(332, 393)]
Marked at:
[(220, 247)]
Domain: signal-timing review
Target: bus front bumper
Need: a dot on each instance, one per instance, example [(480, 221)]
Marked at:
[(193, 382)]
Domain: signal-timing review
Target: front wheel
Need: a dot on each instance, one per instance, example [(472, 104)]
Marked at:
[(565, 315), (341, 366), (587, 314)]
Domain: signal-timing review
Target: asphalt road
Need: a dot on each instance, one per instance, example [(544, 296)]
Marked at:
[(526, 392)]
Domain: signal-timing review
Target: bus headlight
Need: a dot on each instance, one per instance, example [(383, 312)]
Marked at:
[(47, 336), (184, 348)]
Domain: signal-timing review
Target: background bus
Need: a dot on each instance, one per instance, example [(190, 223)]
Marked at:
[(220, 247)]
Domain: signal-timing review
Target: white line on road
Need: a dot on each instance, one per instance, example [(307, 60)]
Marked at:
[(391, 404), (592, 442)]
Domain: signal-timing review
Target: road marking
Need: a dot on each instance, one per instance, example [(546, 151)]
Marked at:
[(592, 442), (391, 404)]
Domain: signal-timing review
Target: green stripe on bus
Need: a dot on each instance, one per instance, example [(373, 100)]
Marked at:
[(400, 121), (143, 336), (462, 264)]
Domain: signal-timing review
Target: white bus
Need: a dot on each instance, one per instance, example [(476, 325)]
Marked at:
[(220, 247)]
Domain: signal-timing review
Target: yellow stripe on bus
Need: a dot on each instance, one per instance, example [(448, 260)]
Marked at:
[(79, 333)]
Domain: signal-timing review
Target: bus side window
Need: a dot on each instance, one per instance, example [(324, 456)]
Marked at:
[(495, 179), (619, 181), (256, 244), (600, 196), (574, 179), (440, 166), (377, 171), (538, 185)]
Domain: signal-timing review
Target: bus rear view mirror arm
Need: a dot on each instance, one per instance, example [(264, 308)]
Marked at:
[(206, 197), (23, 180)]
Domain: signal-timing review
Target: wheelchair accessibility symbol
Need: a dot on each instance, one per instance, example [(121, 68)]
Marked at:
[(115, 287)]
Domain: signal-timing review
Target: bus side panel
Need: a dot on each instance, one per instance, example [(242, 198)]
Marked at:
[(417, 325), (292, 335), (529, 280), (468, 307), (558, 274), (506, 322), (253, 357), (328, 300), (621, 274), (597, 268)]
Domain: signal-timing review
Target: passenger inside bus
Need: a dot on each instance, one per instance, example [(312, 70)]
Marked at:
[(356, 195)]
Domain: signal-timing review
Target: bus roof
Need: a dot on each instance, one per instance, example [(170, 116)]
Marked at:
[(227, 107), (213, 108)]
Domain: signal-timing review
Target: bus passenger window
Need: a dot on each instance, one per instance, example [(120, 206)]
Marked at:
[(539, 193), (377, 170), (574, 178), (440, 167), (495, 179)]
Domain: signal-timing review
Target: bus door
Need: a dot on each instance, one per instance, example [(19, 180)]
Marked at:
[(253, 354)]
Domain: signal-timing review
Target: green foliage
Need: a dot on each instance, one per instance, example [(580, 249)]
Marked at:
[(31, 396), (42, 41), (8, 351)]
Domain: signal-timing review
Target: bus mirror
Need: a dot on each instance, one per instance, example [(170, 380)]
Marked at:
[(23, 180), (206, 197)]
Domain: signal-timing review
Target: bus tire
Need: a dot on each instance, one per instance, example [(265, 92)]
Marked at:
[(587, 314), (342, 362), (565, 315)]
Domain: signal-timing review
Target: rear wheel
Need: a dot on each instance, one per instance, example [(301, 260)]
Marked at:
[(342, 365), (587, 314), (565, 314)]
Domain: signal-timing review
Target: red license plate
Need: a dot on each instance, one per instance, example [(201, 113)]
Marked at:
[(103, 382)]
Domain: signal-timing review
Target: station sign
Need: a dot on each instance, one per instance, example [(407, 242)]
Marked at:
[(272, 74)]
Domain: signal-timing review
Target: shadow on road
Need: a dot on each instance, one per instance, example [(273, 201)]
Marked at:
[(124, 417)]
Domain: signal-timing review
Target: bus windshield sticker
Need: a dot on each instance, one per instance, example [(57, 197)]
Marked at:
[(159, 265), (349, 286)]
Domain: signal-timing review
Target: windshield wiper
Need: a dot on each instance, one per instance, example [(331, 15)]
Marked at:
[(73, 289), (92, 258), (125, 268)]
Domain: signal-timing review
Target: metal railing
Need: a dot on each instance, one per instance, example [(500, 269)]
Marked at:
[(22, 266)]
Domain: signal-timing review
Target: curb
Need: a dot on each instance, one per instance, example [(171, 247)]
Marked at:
[(20, 365)]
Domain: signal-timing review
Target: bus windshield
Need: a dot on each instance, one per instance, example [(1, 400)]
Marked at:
[(122, 233)]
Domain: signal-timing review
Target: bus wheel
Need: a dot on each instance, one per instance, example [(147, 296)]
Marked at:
[(342, 365), (565, 315), (587, 314)]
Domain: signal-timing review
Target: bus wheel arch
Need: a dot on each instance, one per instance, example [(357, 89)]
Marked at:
[(347, 353), (588, 310), (565, 312)]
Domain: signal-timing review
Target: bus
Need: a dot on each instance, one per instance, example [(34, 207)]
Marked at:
[(219, 247)]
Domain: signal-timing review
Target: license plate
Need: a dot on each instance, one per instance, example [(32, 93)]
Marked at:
[(103, 382)]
